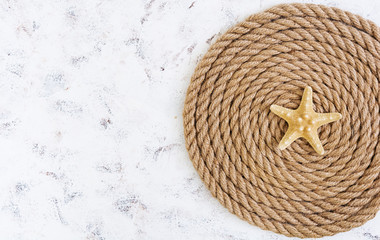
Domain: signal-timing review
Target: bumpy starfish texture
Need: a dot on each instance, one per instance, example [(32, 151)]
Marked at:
[(304, 122)]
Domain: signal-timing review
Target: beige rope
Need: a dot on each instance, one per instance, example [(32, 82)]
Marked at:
[(232, 137)]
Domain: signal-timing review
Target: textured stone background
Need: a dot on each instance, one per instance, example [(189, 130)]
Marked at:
[(91, 138)]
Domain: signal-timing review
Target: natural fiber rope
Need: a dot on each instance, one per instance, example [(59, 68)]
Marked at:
[(232, 137)]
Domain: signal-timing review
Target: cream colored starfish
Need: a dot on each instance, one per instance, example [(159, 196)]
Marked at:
[(304, 122)]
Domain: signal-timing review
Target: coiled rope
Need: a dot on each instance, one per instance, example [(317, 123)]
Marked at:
[(232, 137)]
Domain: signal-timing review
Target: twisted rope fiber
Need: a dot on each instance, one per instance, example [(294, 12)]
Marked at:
[(232, 137)]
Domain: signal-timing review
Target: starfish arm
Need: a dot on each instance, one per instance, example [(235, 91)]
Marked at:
[(307, 99), (290, 136), (282, 112), (313, 139), (324, 118)]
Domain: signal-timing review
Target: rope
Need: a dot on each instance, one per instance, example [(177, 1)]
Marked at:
[(232, 137)]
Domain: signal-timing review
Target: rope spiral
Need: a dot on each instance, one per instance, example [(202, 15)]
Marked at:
[(232, 137)]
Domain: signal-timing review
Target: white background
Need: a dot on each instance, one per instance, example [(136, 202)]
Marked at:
[(91, 137)]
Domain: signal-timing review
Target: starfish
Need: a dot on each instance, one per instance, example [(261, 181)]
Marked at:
[(304, 122)]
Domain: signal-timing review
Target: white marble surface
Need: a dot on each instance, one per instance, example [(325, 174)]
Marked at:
[(91, 97)]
